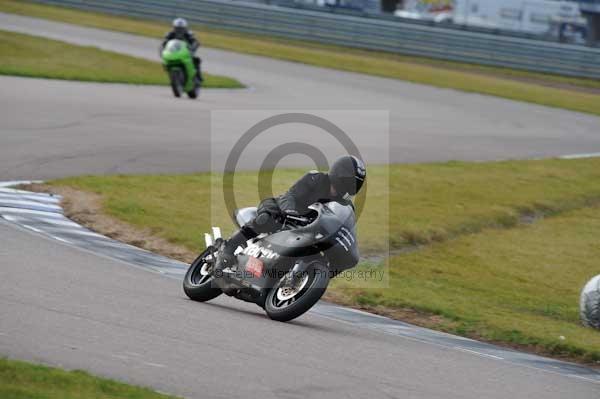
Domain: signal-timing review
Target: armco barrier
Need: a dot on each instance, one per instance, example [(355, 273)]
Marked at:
[(364, 33)]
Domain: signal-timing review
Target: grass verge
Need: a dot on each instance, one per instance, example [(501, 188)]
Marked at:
[(32, 56), (518, 286), (550, 90), (504, 249), (427, 202), (21, 380)]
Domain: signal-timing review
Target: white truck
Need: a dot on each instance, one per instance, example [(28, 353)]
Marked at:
[(528, 16)]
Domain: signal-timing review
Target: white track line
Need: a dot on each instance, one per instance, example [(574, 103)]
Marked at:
[(580, 156), (60, 231), (58, 222), (9, 210), (26, 203), (42, 199), (5, 190), (32, 228), (62, 239), (34, 220), (581, 377), (18, 182), (478, 353)]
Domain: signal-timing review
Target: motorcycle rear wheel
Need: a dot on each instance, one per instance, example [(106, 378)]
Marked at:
[(198, 281), (196, 90), (284, 303), (193, 93)]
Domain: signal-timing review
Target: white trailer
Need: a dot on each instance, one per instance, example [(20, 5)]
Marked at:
[(530, 16)]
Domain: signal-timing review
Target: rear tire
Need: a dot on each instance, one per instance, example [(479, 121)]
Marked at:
[(193, 93), (176, 77), (197, 284), (196, 90), (312, 291)]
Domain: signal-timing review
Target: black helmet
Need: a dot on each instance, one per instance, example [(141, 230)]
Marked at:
[(347, 176)]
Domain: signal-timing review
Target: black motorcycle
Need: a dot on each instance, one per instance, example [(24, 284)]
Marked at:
[(286, 272)]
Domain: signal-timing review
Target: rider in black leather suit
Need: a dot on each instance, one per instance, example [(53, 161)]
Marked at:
[(343, 181)]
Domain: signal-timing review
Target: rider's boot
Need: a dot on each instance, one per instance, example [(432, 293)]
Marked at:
[(225, 261), (225, 258), (226, 249)]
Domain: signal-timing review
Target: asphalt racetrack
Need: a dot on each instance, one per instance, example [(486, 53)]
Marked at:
[(53, 129), (75, 309)]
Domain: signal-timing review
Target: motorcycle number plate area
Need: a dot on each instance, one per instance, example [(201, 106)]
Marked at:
[(255, 266)]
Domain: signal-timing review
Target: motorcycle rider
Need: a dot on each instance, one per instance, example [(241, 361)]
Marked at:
[(180, 31), (344, 180)]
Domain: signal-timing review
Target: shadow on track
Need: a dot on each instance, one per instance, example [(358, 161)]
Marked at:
[(259, 315)]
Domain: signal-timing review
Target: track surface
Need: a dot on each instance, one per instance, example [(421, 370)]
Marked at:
[(52, 129), (72, 308)]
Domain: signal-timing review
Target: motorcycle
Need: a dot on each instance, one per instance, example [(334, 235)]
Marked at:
[(178, 61), (286, 272)]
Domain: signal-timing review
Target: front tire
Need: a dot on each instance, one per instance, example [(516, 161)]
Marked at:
[(198, 281), (284, 304), (177, 79)]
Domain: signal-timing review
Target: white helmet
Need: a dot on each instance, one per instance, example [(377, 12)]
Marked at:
[(180, 23)]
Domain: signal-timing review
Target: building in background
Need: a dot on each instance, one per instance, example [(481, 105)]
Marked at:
[(566, 21), (365, 6), (431, 10), (559, 20), (590, 9), (529, 16)]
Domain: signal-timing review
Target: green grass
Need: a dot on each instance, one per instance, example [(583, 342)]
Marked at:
[(482, 269), (426, 202), (31, 56), (517, 286), (20, 380), (501, 82)]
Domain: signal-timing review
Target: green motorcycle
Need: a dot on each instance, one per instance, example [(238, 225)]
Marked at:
[(178, 61)]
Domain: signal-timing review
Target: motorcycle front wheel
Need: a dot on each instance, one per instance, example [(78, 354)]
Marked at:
[(287, 301), (198, 281), (177, 80)]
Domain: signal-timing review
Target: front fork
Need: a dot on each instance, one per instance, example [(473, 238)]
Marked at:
[(210, 240), (213, 243), (297, 272)]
